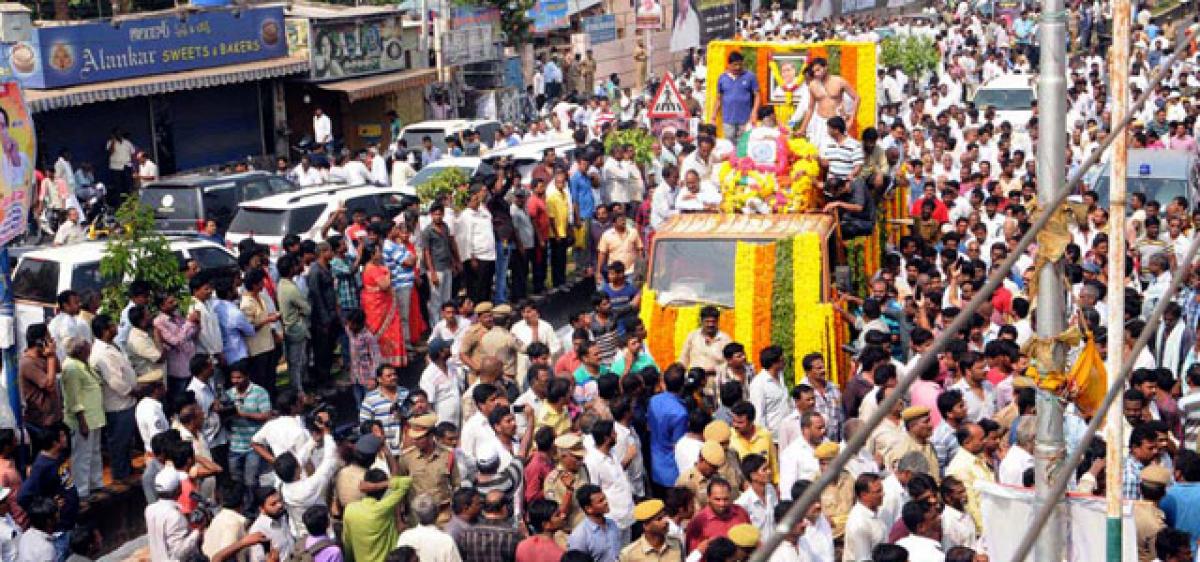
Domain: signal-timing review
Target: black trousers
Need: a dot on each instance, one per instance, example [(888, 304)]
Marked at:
[(537, 262), (322, 344), (480, 283), (518, 269), (558, 261), (262, 370)]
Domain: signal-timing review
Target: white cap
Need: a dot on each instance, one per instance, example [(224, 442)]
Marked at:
[(167, 480)]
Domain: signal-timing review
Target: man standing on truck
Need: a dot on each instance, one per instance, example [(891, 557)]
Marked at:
[(705, 346)]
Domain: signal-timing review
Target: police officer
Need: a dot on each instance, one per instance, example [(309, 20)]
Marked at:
[(430, 465), (567, 476)]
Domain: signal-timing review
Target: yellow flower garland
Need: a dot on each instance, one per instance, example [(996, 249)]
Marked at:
[(687, 319), (743, 295)]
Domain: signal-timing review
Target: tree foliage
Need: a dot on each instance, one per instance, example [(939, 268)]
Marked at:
[(641, 140), (447, 181), (913, 54), (138, 252)]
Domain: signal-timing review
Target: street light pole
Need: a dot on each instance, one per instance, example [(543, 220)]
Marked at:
[(1051, 170)]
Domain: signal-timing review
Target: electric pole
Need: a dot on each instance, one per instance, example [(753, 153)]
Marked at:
[(1051, 297)]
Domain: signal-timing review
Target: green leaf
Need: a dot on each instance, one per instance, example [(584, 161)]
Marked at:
[(641, 140), (138, 252), (451, 181)]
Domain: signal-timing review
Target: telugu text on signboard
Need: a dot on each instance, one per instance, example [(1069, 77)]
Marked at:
[(339, 49)]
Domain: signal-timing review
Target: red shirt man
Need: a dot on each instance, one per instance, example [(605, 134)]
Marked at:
[(716, 518)]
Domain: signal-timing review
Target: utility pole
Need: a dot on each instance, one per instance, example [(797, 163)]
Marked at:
[(1051, 297), (1114, 440)]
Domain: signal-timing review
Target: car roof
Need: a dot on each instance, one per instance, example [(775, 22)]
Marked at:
[(195, 179), (84, 252), (315, 196), (457, 162), (1011, 82), (529, 149), (448, 124)]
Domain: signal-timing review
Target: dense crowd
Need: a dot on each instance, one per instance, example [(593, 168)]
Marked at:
[(520, 440)]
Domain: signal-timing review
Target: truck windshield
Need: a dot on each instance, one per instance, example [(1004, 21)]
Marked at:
[(687, 271), (1162, 190)]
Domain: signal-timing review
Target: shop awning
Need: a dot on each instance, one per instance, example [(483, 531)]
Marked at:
[(46, 100), (374, 86)]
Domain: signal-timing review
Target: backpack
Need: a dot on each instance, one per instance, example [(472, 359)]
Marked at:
[(302, 554)]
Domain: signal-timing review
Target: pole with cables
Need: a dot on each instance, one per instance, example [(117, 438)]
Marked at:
[(1063, 477), (1051, 297), (1114, 438), (801, 505)]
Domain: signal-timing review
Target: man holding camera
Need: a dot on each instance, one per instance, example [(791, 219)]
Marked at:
[(298, 492)]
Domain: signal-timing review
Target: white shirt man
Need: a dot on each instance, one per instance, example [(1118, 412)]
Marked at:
[(797, 462), (864, 530), (545, 334), (167, 529), (357, 173), (770, 400), (304, 493), (431, 543), (477, 233), (476, 431), (922, 548), (118, 377), (895, 495), (306, 176), (151, 419), (958, 529), (208, 341), (662, 205), (607, 473), (70, 231), (687, 451), (1012, 468), (64, 326), (286, 434), (442, 388), (322, 129)]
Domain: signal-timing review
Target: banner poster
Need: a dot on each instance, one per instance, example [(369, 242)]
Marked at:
[(18, 145)]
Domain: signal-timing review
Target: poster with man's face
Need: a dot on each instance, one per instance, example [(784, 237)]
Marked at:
[(789, 77)]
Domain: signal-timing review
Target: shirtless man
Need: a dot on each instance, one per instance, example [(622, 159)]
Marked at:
[(825, 101)]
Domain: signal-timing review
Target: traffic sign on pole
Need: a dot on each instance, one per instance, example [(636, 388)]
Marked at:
[(668, 102)]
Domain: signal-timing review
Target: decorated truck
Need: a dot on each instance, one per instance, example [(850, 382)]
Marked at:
[(769, 256)]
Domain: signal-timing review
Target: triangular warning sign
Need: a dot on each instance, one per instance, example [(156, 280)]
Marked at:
[(668, 103)]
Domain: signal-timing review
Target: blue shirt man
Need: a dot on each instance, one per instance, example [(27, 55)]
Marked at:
[(601, 539), (581, 193), (234, 327), (667, 419), (394, 255), (1181, 505), (738, 93)]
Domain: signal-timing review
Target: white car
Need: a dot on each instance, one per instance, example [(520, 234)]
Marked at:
[(1011, 95), (525, 156), (40, 275), (305, 213), (439, 131)]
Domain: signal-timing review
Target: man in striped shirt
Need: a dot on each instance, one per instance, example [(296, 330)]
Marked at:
[(841, 155)]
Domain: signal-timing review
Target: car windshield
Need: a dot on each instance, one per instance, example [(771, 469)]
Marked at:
[(414, 137), (689, 271), (275, 222), (428, 172), (172, 202), (1005, 99), (36, 280), (1162, 190)]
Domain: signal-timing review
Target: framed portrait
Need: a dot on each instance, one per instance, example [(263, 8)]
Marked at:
[(787, 71)]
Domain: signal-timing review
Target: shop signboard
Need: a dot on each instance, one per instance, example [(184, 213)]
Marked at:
[(601, 29), (18, 153), (467, 46), (69, 55), (347, 48), (550, 14)]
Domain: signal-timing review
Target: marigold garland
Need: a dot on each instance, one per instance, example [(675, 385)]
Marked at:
[(743, 295), (687, 319), (764, 275)]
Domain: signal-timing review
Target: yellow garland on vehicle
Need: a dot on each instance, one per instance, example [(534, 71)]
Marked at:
[(687, 319), (743, 294)]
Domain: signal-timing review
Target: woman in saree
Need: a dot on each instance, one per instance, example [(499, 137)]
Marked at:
[(382, 312)]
